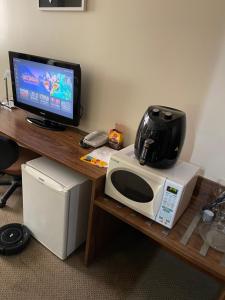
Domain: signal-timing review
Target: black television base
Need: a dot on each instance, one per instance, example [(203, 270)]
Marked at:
[(47, 124)]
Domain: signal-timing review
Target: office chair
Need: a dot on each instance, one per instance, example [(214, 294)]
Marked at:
[(12, 157)]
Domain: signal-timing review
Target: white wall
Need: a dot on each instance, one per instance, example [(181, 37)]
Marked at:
[(133, 54), (209, 145)]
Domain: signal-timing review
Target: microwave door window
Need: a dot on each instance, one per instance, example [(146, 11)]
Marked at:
[(132, 186)]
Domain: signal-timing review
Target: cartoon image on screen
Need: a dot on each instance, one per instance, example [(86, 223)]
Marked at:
[(58, 85), (45, 86)]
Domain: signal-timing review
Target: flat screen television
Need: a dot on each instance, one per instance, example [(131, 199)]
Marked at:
[(48, 88)]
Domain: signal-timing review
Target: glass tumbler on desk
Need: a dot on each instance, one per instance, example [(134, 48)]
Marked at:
[(214, 233)]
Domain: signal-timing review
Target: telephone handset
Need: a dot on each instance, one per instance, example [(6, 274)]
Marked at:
[(94, 139)]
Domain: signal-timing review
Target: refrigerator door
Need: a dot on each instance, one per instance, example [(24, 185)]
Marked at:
[(45, 210)]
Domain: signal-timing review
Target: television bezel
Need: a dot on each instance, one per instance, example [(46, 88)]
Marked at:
[(41, 112)]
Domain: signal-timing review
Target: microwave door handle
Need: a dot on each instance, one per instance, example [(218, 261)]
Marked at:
[(147, 145)]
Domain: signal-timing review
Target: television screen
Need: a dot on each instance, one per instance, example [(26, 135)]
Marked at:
[(46, 87)]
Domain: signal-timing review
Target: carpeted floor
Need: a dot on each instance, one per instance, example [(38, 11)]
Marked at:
[(132, 268)]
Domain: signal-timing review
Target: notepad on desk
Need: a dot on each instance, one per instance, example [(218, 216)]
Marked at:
[(99, 157)]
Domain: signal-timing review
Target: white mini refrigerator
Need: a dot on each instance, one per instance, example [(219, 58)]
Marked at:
[(56, 204)]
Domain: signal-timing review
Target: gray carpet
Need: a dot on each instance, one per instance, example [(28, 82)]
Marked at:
[(132, 268)]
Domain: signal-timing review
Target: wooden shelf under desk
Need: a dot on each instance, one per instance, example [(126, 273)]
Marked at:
[(170, 239)]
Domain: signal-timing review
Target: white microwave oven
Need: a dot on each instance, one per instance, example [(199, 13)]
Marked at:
[(161, 195)]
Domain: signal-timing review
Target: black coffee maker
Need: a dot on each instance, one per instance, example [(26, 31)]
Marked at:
[(160, 136)]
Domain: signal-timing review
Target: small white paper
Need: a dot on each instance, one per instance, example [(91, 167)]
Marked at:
[(103, 153)]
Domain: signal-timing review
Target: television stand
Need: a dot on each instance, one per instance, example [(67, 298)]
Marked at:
[(45, 123)]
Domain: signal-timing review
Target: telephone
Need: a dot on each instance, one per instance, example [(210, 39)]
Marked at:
[(94, 139)]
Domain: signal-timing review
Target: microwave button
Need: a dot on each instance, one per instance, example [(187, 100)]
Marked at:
[(172, 206), (132, 186)]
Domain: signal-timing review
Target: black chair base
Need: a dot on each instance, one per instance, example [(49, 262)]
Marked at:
[(14, 184)]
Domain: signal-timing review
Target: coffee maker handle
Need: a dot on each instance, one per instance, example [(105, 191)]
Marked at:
[(147, 144)]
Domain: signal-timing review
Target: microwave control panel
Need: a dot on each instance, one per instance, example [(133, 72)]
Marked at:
[(170, 201)]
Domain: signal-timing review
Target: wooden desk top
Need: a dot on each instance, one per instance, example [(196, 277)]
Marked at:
[(61, 146)]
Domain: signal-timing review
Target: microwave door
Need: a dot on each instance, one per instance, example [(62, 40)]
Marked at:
[(136, 191)]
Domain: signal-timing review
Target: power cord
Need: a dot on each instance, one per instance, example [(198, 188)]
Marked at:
[(7, 105)]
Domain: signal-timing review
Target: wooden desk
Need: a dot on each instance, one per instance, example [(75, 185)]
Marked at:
[(61, 146), (64, 147), (169, 239)]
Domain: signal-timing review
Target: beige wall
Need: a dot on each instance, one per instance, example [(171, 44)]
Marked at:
[(133, 53), (209, 144)]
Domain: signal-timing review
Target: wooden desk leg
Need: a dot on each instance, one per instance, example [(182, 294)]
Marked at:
[(101, 225), (222, 295), (90, 249)]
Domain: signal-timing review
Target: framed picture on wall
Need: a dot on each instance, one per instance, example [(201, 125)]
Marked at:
[(78, 5)]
